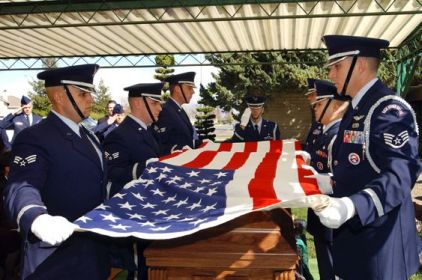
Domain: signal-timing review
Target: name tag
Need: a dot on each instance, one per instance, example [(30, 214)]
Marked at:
[(353, 137)]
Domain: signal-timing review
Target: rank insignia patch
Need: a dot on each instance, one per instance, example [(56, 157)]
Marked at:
[(396, 141), (25, 161)]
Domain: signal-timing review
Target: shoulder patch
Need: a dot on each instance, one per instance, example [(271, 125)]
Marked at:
[(396, 141), (393, 107), (109, 156), (25, 161)]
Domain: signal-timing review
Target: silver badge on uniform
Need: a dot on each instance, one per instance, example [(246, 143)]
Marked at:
[(112, 156), (25, 161), (396, 141), (320, 165), (358, 118), (354, 158)]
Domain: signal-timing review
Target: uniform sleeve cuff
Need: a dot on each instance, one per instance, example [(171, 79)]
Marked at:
[(28, 217)]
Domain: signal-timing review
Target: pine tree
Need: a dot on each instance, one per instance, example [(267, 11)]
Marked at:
[(42, 105), (205, 123), (164, 61), (101, 99)]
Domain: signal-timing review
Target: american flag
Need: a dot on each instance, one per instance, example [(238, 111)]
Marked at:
[(191, 190)]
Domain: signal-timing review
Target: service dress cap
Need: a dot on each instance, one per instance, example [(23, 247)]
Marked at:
[(151, 90), (341, 46), (255, 101), (118, 109), (79, 75), (187, 78), (25, 100)]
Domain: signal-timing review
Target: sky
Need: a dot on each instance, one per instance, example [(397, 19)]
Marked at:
[(17, 82)]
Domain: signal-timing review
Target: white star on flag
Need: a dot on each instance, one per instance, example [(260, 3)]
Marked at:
[(193, 174), (151, 170), (110, 217), (166, 169), (139, 196), (220, 174), (120, 226), (136, 216), (126, 205), (158, 192), (170, 199), (84, 219)]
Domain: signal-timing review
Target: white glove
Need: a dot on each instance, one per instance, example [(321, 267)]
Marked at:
[(305, 155), (323, 180), (52, 229), (244, 119), (337, 212)]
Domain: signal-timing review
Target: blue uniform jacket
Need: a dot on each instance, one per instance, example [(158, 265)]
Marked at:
[(269, 131), (319, 160), (103, 129), (127, 149), (5, 139), (314, 131), (55, 172), (174, 129), (375, 164), (18, 123)]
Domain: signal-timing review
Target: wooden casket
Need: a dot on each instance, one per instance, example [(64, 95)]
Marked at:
[(259, 245)]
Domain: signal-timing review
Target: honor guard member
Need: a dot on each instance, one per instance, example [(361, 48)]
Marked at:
[(56, 176), (174, 128), (329, 108), (127, 149), (104, 128), (21, 119), (375, 165), (255, 128), (316, 127)]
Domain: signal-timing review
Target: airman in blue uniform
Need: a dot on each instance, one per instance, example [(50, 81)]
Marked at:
[(329, 108), (104, 128), (255, 128), (316, 127), (56, 176), (127, 149), (375, 165), (174, 128), (20, 120)]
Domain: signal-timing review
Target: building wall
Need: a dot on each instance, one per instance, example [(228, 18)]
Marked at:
[(292, 113)]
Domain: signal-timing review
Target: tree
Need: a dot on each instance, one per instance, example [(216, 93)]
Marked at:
[(205, 123), (42, 105), (101, 99), (265, 73), (162, 72), (258, 73)]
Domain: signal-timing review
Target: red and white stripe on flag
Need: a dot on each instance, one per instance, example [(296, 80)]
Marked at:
[(266, 172)]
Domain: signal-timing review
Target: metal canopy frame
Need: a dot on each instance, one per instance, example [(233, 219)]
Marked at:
[(53, 11), (25, 16)]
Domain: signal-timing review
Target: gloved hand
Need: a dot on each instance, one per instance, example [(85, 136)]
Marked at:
[(337, 212), (244, 119), (323, 180), (52, 229), (305, 155)]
